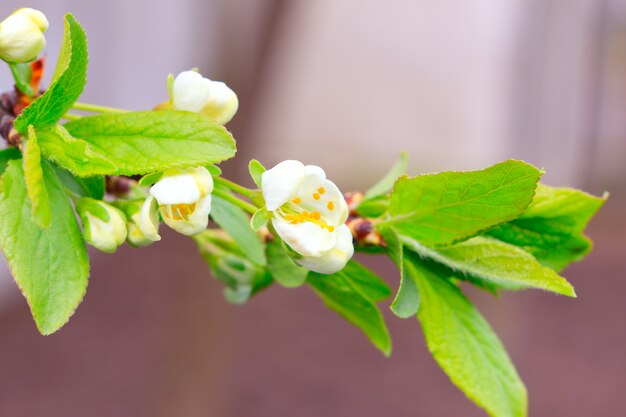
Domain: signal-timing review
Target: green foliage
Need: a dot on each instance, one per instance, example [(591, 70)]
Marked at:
[(465, 347), (506, 265), (93, 187), (407, 300), (256, 170), (551, 229), (137, 143), (35, 185), (282, 267), (67, 85), (260, 218), (342, 294), (49, 265), (236, 223), (438, 209), (22, 74)]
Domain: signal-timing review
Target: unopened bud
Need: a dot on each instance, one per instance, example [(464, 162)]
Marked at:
[(104, 226), (21, 35)]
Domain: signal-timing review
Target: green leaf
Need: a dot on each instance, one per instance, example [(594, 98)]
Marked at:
[(374, 207), (214, 170), (341, 295), (148, 180), (22, 74), (49, 265), (552, 227), (407, 300), (236, 223), (260, 218), (506, 265), (438, 209), (367, 282), (93, 187), (7, 155), (67, 84), (385, 185), (465, 347), (35, 184), (137, 143), (282, 267), (256, 170)]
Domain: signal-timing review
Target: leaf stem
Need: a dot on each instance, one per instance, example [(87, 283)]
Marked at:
[(236, 201), (71, 116), (96, 109), (246, 192)]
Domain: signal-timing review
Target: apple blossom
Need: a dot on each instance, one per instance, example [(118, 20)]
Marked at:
[(183, 198), (214, 99), (104, 226), (309, 214), (21, 35)]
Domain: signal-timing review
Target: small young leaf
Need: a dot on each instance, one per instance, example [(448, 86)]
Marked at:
[(49, 265), (236, 223), (366, 281), (22, 74), (67, 85), (552, 227), (256, 170), (506, 265), (407, 300), (438, 209), (148, 180), (35, 184), (214, 170), (7, 155), (341, 295), (465, 347), (137, 143), (260, 218), (93, 187), (282, 267), (385, 185)]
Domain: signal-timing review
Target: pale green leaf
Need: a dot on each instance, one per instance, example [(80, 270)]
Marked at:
[(367, 282), (282, 267), (7, 155), (137, 143), (260, 218), (506, 265), (407, 300), (256, 170), (67, 84), (465, 346), (552, 227), (438, 209), (35, 184), (385, 185), (346, 298), (49, 265), (237, 224)]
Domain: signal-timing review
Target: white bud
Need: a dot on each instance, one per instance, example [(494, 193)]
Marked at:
[(21, 35), (214, 99), (104, 226), (132, 209)]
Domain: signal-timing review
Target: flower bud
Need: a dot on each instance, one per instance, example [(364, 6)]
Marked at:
[(183, 198), (132, 209), (214, 99), (21, 36), (309, 215), (104, 226)]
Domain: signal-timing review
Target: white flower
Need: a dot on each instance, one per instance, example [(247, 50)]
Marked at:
[(104, 226), (21, 35), (194, 93), (309, 215), (132, 210), (183, 197)]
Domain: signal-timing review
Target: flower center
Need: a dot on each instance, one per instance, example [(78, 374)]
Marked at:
[(179, 211)]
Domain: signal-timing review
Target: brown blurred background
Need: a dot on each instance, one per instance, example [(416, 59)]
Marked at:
[(344, 84)]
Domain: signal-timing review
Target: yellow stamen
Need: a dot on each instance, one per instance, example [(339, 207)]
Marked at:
[(330, 205), (321, 190), (316, 196), (306, 216), (296, 200)]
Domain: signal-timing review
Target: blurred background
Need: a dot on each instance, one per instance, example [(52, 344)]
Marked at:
[(345, 85)]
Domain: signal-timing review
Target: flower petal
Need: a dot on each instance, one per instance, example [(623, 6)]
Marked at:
[(308, 239), (195, 223), (336, 258), (323, 196), (279, 184), (149, 220), (176, 187), (191, 91)]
